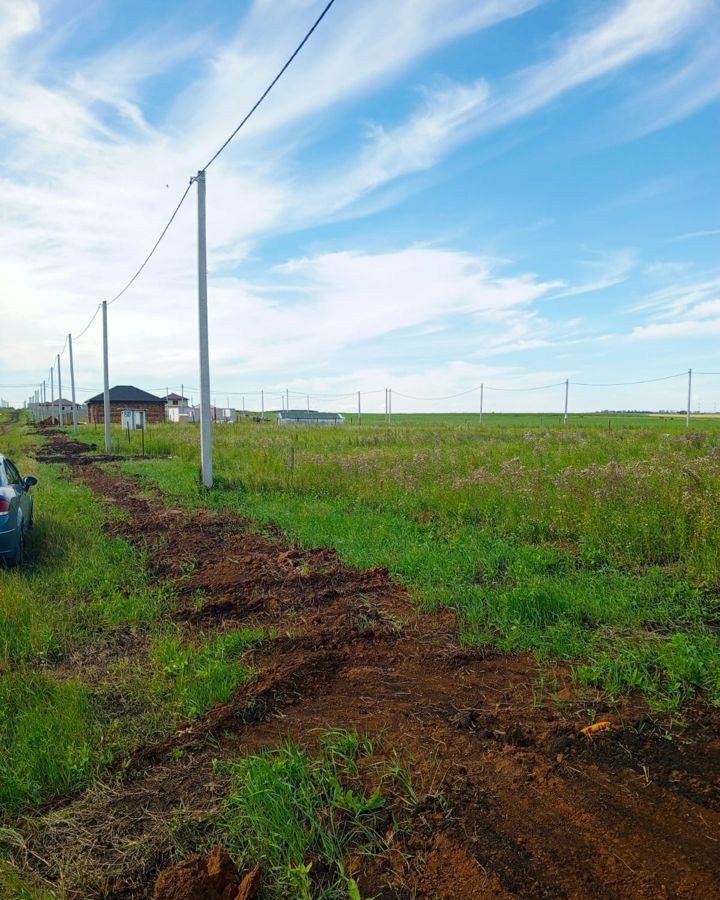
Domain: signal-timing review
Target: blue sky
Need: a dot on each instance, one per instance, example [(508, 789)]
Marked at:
[(438, 194)]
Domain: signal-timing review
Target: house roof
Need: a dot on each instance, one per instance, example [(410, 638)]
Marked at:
[(308, 414), (126, 393), (55, 402), (173, 396)]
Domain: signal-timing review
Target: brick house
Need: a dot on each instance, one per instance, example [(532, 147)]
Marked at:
[(126, 397)]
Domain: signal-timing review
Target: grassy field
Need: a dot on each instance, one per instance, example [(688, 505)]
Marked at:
[(586, 544), (594, 543)]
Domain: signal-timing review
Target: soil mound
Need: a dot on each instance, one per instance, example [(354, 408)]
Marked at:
[(211, 876)]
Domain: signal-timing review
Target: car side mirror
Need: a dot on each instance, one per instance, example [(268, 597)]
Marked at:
[(29, 481)]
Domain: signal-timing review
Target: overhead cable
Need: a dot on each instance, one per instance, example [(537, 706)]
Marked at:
[(625, 383), (92, 319), (272, 83), (155, 246)]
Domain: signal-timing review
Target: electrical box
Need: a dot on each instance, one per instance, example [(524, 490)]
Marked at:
[(133, 419)]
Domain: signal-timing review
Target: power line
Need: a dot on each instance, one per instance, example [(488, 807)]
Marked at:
[(92, 319), (209, 163), (539, 387), (625, 383), (155, 245), (272, 83)]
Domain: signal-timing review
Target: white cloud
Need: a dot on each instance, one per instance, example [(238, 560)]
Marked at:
[(683, 91), (88, 178), (681, 310), (607, 272), (414, 146), (685, 328), (632, 30), (18, 18), (693, 235), (345, 300)]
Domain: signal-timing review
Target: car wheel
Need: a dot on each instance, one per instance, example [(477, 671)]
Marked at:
[(19, 557)]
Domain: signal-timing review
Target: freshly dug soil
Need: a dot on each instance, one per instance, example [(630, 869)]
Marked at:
[(211, 876), (514, 801)]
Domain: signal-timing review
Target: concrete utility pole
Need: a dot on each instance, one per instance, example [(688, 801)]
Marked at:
[(687, 418), (262, 404), (389, 406), (44, 393), (52, 390), (567, 388), (72, 385), (386, 406), (482, 389), (308, 399), (359, 410), (106, 379), (61, 417), (205, 417), (287, 399)]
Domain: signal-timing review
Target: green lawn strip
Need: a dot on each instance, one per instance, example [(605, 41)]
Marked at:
[(304, 814), (577, 562)]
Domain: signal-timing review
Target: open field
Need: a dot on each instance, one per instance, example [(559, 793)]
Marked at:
[(397, 714), (593, 546)]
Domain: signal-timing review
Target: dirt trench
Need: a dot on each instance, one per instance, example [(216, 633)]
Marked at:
[(532, 807)]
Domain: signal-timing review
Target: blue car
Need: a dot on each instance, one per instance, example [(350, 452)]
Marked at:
[(16, 511)]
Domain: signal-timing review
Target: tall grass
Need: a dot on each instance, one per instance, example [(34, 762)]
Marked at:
[(46, 738)]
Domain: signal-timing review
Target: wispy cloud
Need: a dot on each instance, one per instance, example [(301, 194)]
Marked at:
[(629, 32), (88, 175), (689, 309), (605, 273), (694, 235)]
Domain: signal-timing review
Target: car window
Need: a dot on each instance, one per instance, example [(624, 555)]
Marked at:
[(13, 476)]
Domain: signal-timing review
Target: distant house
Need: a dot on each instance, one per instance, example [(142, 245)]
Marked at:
[(180, 414), (173, 400), (124, 398), (52, 405), (309, 417)]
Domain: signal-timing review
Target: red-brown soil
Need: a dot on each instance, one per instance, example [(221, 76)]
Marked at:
[(211, 876), (514, 800)]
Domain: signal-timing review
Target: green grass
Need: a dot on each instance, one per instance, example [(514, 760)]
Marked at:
[(190, 678), (584, 544), (16, 885), (60, 724), (303, 814), (78, 582), (47, 744)]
